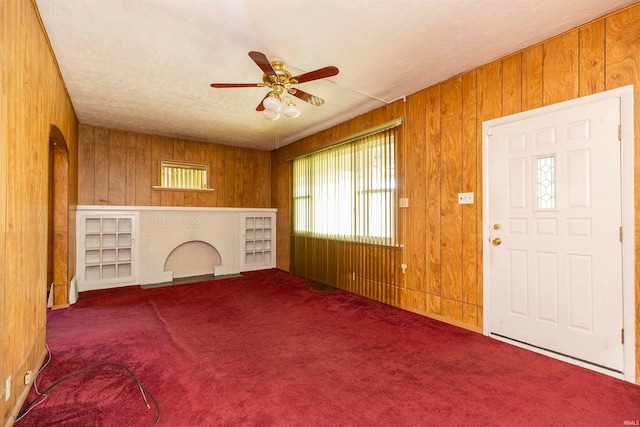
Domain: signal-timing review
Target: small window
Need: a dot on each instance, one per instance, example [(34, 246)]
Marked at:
[(189, 176), (545, 182)]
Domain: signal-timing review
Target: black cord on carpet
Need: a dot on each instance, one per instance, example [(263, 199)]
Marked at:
[(42, 396)]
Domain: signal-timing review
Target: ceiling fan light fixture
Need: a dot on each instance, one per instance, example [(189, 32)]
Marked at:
[(271, 115), (271, 103), (292, 111), (279, 80)]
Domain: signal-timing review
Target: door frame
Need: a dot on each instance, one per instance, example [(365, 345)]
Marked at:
[(59, 175), (628, 226)]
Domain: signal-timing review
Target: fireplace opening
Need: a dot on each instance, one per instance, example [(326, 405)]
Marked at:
[(193, 258)]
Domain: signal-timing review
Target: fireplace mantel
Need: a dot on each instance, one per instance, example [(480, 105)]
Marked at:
[(109, 257)]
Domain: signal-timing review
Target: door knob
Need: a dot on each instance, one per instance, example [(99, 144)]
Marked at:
[(496, 241)]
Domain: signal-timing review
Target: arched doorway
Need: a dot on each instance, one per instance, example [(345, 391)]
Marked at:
[(58, 241)]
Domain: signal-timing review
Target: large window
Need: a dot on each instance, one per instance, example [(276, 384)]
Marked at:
[(348, 192)]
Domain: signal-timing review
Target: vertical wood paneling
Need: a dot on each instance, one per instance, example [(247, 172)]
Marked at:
[(452, 309), (117, 162), (102, 167), (263, 175), (239, 178), (532, 78), (184, 152), (623, 51), (132, 168), (60, 223), (331, 266), (470, 159), (230, 176), (470, 314), (560, 68), (512, 84), (144, 170), (432, 211), (592, 58), (86, 156), (434, 304), (212, 174), (281, 197), (249, 159), (417, 177), (156, 156), (489, 93), (222, 185), (451, 185)]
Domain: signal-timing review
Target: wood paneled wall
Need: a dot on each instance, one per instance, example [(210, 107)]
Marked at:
[(32, 98), (120, 168), (443, 151)]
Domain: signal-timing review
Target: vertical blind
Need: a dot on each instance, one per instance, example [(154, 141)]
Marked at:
[(183, 175), (348, 192)]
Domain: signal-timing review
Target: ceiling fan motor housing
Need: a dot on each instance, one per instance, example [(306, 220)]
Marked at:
[(282, 81)]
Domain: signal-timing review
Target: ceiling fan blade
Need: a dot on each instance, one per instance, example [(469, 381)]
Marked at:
[(261, 61), (260, 106), (317, 74), (225, 85), (311, 99)]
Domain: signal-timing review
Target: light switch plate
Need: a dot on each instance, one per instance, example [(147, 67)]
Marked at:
[(465, 198)]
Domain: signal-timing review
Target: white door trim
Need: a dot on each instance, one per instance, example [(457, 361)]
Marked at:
[(628, 239)]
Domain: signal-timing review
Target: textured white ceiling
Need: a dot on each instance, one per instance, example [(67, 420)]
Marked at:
[(146, 65)]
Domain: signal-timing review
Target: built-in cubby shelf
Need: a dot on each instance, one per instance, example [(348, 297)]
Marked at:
[(105, 248), (259, 241)]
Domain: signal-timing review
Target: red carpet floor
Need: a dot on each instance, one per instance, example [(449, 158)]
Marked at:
[(267, 350)]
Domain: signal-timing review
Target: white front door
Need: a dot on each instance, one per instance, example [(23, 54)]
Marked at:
[(555, 225)]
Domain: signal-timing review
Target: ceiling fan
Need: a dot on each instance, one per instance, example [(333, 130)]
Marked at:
[(281, 83)]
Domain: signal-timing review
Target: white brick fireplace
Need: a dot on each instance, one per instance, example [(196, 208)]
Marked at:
[(121, 246)]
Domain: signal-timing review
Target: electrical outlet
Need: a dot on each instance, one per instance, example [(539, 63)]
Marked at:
[(27, 377), (465, 198), (7, 386), (403, 202)]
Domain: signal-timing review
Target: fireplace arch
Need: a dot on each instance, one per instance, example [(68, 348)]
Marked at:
[(193, 258)]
